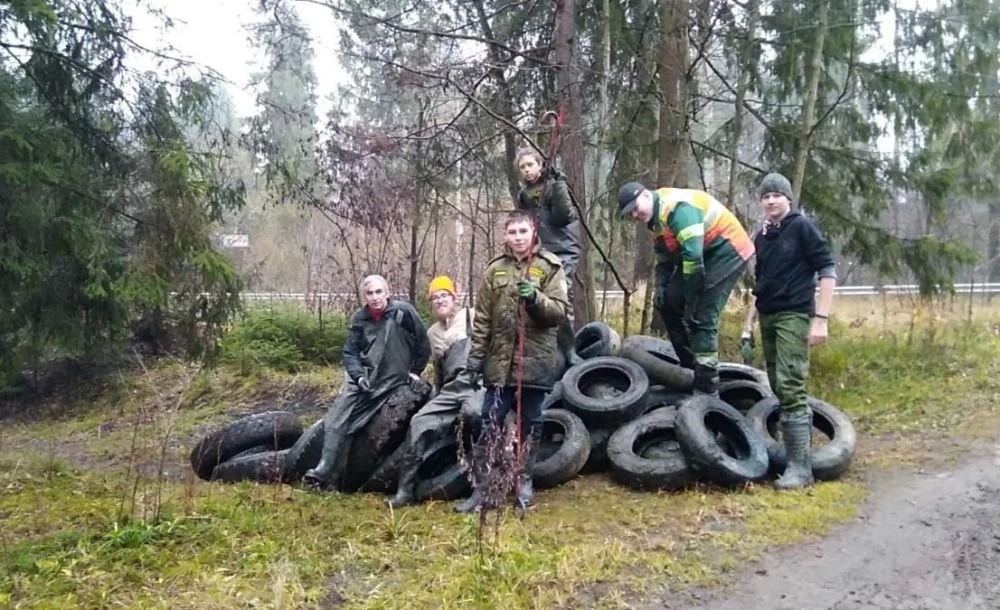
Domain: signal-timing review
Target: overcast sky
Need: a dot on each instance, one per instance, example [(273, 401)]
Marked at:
[(214, 33)]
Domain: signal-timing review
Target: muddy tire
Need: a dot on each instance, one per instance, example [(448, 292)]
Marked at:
[(659, 370), (386, 476), (276, 429), (661, 396), (265, 467), (383, 435), (719, 442), (743, 394), (564, 449), (596, 340), (661, 349), (440, 477), (668, 471), (623, 387), (554, 399), (828, 461), (732, 371), (597, 461), (305, 453)]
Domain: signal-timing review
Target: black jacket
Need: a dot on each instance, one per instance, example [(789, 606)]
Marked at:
[(790, 256), (558, 226), (362, 357)]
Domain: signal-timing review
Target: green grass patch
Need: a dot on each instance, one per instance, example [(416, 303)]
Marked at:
[(286, 338)]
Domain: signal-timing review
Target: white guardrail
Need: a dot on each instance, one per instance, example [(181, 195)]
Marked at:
[(617, 295)]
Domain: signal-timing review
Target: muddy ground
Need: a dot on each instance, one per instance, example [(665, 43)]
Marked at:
[(924, 540)]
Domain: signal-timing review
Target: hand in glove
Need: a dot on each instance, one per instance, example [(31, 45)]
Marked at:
[(363, 384), (746, 346), (527, 290), (471, 375)]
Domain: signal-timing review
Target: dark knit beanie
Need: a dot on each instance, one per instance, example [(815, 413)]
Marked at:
[(775, 183)]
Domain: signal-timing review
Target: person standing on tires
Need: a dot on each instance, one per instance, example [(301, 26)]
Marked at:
[(701, 250), (387, 347), (449, 339), (545, 194), (521, 302), (791, 254)]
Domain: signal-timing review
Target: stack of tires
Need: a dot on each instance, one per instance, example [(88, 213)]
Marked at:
[(647, 428), (626, 408)]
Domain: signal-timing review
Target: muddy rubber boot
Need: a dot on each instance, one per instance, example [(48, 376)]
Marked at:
[(406, 489), (471, 503), (797, 430), (320, 478), (526, 487), (706, 380)]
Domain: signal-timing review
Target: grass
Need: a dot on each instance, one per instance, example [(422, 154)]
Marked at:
[(89, 523)]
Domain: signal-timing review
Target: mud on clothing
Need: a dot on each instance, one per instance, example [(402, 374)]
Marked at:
[(385, 352), (791, 255)]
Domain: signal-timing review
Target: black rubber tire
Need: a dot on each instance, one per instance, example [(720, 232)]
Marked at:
[(386, 476), (661, 396), (743, 394), (265, 467), (554, 399), (276, 429), (305, 453), (829, 461), (660, 371), (657, 347), (699, 421), (564, 449), (597, 461), (731, 371), (383, 434), (629, 467), (624, 375), (596, 340), (252, 451), (440, 477)]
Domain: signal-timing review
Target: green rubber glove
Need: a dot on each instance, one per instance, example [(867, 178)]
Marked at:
[(527, 290)]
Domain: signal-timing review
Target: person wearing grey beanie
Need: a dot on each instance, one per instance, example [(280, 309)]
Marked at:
[(792, 255)]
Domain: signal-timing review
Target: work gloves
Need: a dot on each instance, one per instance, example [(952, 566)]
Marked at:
[(472, 375), (527, 291)]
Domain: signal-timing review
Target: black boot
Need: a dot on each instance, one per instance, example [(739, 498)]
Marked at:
[(471, 503), (406, 489), (321, 477), (797, 430), (706, 379), (526, 486)]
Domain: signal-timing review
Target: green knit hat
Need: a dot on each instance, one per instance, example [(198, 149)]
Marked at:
[(775, 183)]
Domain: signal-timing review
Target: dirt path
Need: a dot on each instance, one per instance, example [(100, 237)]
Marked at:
[(923, 541)]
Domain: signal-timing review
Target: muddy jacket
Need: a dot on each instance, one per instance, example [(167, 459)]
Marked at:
[(558, 226), (494, 335), (694, 229)]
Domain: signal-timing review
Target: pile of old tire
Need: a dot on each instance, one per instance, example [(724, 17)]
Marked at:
[(272, 447), (647, 428)]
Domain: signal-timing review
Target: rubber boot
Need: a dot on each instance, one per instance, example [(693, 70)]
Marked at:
[(797, 430), (406, 489), (706, 380), (526, 486), (320, 478), (471, 503)]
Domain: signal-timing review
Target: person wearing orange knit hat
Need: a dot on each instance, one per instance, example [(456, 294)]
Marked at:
[(449, 339)]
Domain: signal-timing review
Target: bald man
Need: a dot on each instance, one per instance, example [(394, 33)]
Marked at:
[(387, 348)]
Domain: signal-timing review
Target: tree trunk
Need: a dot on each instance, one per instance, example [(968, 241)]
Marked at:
[(993, 242), (748, 65), (647, 119), (809, 103), (567, 92)]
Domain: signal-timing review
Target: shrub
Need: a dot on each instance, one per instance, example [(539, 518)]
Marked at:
[(285, 339)]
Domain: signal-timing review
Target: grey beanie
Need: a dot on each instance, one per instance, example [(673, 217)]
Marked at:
[(775, 183)]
